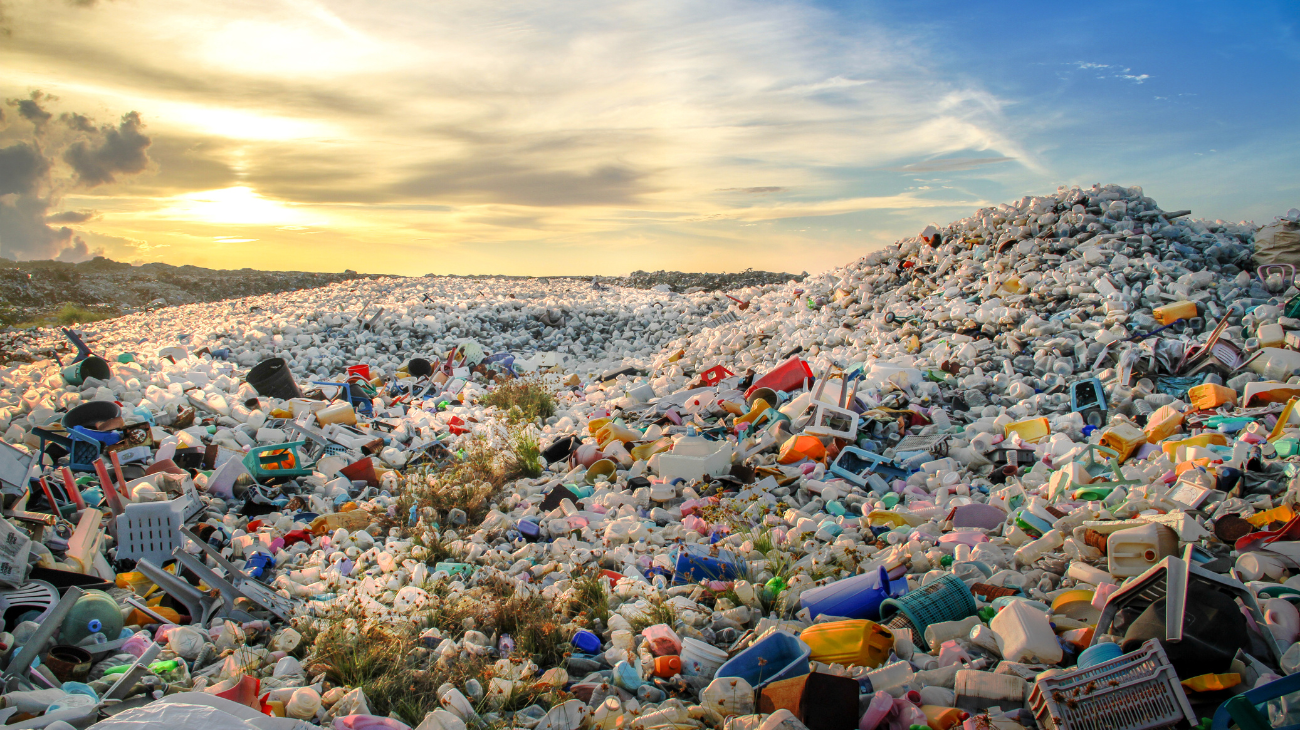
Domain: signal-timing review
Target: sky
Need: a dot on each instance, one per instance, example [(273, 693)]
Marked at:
[(580, 137)]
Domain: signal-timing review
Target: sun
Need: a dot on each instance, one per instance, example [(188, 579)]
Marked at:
[(239, 205)]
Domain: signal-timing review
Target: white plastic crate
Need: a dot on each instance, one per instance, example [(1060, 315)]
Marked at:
[(1137, 691)]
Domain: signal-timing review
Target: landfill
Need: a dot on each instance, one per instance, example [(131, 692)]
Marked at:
[(1033, 469)]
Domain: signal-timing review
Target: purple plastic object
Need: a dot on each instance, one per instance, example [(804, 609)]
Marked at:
[(982, 516)]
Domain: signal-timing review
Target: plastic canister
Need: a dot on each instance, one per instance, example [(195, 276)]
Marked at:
[(700, 659), (668, 666), (890, 676), (1171, 313), (663, 641), (586, 642), (1211, 395), (942, 718), (1276, 363), (94, 613), (1130, 552), (851, 643), (1025, 634), (1124, 439), (341, 412), (1270, 335), (1163, 423)]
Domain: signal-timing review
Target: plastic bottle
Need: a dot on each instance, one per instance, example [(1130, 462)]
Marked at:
[(880, 705), (890, 676), (1031, 553)]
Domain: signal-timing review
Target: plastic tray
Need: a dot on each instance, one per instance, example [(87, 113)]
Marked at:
[(1137, 691)]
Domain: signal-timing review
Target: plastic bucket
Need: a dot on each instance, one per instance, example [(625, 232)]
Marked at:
[(418, 367), (858, 597), (700, 659), (1098, 654), (273, 379), (88, 414), (91, 367)]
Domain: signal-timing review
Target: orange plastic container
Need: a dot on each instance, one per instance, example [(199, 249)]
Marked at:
[(1211, 395), (853, 643), (942, 718), (1171, 313), (802, 447), (668, 666)]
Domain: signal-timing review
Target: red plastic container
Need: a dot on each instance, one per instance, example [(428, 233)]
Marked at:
[(788, 376)]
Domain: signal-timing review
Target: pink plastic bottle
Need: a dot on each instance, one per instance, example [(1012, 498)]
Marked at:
[(881, 704)]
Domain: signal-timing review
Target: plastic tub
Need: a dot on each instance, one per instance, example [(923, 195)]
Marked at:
[(273, 379), (1098, 654), (855, 643), (779, 655), (858, 597), (700, 659), (1030, 430)]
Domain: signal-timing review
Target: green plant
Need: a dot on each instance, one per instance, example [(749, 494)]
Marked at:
[(522, 399), (590, 596), (658, 613), (525, 461)]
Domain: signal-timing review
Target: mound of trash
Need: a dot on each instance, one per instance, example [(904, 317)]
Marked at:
[(1036, 468)]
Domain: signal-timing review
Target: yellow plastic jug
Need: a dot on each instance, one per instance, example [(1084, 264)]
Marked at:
[(1171, 313), (1124, 439), (853, 643), (1211, 395), (1032, 430), (1271, 335), (1162, 424)]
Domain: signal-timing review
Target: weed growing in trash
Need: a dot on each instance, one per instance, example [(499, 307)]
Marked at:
[(590, 596), (525, 459), (400, 674), (522, 400), (658, 613)]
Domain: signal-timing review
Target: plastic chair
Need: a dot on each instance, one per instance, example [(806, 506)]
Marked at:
[(1286, 271), (1243, 710), (277, 460)]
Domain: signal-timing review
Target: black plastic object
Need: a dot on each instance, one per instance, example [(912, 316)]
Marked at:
[(418, 367), (560, 449), (555, 496), (273, 379), (830, 702), (90, 413), (1088, 398), (1213, 630)]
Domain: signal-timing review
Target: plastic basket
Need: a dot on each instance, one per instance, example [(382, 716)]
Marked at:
[(150, 530), (946, 599), (1137, 691)]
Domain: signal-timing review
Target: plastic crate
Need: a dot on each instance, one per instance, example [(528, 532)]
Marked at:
[(946, 599), (1137, 691)]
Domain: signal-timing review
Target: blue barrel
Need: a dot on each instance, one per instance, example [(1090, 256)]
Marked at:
[(858, 597), (1099, 654)]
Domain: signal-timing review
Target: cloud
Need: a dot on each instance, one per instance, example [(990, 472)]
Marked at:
[(72, 216), (31, 109), (838, 207), (116, 151), (756, 191), (32, 182), (950, 164)]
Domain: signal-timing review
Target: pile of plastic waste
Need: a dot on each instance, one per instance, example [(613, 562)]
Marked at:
[(1036, 468)]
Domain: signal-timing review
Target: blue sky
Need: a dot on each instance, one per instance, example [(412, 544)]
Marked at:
[(597, 137)]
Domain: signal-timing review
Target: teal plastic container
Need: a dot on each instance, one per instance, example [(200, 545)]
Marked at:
[(94, 613)]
